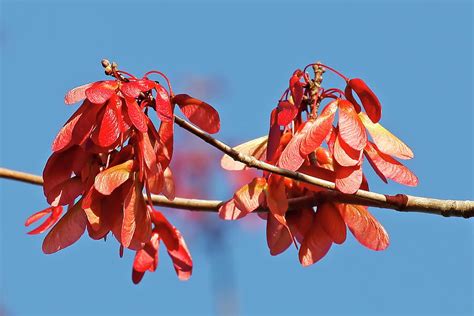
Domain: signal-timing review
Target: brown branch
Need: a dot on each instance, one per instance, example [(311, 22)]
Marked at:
[(399, 202)]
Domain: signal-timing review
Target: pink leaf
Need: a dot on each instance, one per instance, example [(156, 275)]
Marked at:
[(387, 167), (351, 129), (199, 113), (365, 228), (319, 129), (110, 179)]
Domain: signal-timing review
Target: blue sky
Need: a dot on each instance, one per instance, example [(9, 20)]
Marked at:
[(417, 57)]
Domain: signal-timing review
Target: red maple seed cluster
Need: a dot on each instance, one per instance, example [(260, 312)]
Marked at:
[(301, 139), (105, 156)]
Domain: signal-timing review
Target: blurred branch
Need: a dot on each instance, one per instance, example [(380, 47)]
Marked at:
[(399, 202)]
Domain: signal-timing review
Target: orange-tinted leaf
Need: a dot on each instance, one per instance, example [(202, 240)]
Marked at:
[(351, 129), (319, 129), (345, 155), (386, 142), (316, 172), (286, 113), (255, 147), (365, 228), (136, 224), (77, 94), (324, 158), (348, 179), (315, 246), (368, 98), (278, 236), (67, 231), (168, 184), (101, 91), (110, 179), (136, 115), (387, 167), (199, 113), (229, 211), (276, 198), (250, 196), (331, 221)]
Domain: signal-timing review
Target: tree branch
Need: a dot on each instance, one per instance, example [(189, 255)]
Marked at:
[(399, 202)]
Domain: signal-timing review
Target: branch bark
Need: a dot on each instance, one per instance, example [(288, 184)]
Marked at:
[(399, 202)]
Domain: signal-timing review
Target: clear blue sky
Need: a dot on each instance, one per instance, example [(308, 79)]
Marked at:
[(417, 56)]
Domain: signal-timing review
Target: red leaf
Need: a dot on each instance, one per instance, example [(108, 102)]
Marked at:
[(351, 129), (365, 228), (387, 167), (101, 91), (164, 108), (331, 221), (136, 226), (319, 129), (315, 246), (350, 98), (181, 257), (77, 94), (83, 129), (274, 135), (166, 137), (66, 192), (368, 98), (108, 130), (278, 237), (348, 179), (386, 142), (138, 118), (300, 222), (296, 87), (146, 259), (55, 212), (255, 147), (199, 113), (64, 137), (229, 211), (286, 113), (110, 179), (133, 88), (345, 155), (67, 231), (250, 196), (164, 228)]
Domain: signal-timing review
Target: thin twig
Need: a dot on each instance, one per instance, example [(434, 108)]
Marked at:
[(400, 202)]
